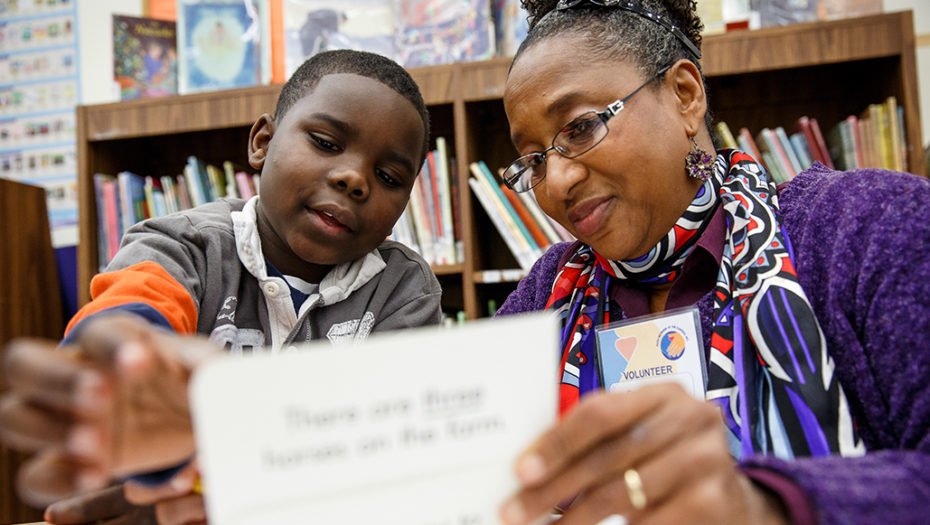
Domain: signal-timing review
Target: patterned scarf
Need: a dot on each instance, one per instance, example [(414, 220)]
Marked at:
[(769, 370)]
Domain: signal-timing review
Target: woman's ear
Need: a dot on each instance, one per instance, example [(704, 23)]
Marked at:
[(259, 140), (688, 88)]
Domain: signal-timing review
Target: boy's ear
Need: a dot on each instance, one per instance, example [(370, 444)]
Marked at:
[(259, 140), (688, 88)]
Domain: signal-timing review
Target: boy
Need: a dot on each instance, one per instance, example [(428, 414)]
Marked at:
[(306, 260)]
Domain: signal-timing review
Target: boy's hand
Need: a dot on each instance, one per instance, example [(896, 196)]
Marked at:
[(103, 507), (114, 403), (177, 502)]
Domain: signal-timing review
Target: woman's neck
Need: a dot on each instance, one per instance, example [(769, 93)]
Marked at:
[(658, 295)]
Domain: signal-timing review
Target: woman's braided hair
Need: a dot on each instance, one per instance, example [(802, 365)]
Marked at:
[(611, 33)]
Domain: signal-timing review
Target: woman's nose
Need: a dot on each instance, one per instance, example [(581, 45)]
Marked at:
[(351, 181), (562, 175)]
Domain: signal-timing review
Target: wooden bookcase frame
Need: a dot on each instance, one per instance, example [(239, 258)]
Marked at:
[(766, 77)]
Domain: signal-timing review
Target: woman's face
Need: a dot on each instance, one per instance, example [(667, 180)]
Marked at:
[(626, 193)]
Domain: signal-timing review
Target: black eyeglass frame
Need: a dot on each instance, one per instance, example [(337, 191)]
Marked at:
[(626, 5), (516, 169)]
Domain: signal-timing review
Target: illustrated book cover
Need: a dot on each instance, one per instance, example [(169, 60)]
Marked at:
[(312, 26), (431, 32), (145, 57), (222, 44)]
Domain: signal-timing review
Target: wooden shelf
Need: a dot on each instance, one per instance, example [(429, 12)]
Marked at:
[(756, 79)]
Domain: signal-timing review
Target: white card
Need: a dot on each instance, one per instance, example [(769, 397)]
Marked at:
[(418, 427)]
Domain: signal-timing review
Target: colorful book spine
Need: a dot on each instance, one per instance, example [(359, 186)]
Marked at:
[(725, 136), (229, 176), (540, 216), (497, 219), (801, 149), (785, 144), (420, 212), (103, 241), (748, 144), (775, 160), (447, 240), (495, 190), (111, 216), (496, 206), (184, 199), (244, 185), (894, 134), (524, 214)]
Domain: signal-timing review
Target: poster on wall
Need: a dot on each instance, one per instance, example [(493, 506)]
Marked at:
[(145, 57), (38, 94), (222, 44)]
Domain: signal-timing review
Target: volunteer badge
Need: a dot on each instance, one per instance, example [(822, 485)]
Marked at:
[(663, 347)]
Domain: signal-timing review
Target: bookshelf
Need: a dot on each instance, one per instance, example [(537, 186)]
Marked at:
[(762, 78)]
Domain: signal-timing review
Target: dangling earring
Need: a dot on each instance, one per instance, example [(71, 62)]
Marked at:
[(699, 164)]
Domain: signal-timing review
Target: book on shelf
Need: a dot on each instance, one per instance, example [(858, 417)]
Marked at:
[(786, 146), (801, 149), (447, 239), (725, 136), (222, 44), (428, 224), (774, 156), (526, 218), (525, 236), (509, 212), (902, 135), (810, 128), (145, 58), (543, 220), (127, 198), (520, 251), (432, 32), (312, 26), (748, 144)]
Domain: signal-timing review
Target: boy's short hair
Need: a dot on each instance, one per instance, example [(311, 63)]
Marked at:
[(362, 63)]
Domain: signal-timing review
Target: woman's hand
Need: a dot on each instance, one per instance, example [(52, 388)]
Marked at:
[(176, 502), (114, 403), (103, 507), (655, 455)]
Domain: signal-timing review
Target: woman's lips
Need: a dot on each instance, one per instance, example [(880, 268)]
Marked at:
[(588, 216)]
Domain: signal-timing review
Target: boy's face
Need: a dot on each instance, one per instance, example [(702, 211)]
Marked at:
[(337, 171)]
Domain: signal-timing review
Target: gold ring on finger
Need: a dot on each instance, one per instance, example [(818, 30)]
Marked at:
[(634, 488)]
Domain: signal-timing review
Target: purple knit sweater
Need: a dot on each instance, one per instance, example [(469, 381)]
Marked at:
[(862, 249)]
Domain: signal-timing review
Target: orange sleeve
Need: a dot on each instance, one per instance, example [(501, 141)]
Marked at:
[(145, 282)]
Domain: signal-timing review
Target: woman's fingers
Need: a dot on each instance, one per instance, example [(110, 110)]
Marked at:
[(655, 428), (609, 458), (697, 461), (595, 418)]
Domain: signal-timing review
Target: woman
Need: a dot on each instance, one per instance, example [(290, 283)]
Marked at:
[(813, 303)]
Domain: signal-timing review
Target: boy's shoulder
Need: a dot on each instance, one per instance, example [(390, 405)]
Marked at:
[(401, 259), (212, 215)]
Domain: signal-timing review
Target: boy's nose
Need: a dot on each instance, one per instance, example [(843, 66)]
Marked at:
[(350, 181)]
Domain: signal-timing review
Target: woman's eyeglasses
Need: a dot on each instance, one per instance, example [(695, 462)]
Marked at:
[(574, 139)]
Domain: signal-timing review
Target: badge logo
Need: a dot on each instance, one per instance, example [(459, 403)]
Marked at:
[(672, 342)]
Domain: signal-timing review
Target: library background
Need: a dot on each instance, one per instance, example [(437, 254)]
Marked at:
[(112, 111)]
